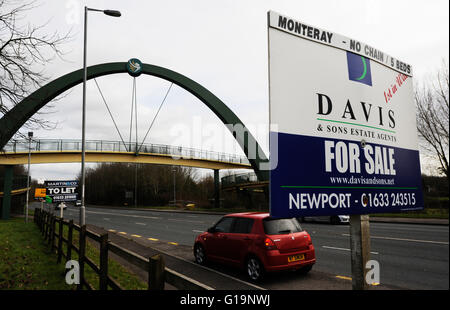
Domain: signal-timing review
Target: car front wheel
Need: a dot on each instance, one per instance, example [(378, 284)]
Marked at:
[(255, 269)]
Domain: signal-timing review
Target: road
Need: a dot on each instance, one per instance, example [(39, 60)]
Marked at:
[(411, 256)]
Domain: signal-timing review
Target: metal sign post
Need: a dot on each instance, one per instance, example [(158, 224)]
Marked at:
[(30, 135), (360, 250)]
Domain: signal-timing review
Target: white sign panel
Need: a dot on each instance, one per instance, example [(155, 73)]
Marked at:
[(62, 190), (346, 127)]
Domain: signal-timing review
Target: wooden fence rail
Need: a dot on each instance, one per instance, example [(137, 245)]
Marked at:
[(158, 274)]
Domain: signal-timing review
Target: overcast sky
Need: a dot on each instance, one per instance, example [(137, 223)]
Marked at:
[(223, 46)]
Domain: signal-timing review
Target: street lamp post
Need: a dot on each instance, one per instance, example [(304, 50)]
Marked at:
[(174, 186), (30, 136), (83, 128)]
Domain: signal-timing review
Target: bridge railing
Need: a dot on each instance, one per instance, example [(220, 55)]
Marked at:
[(236, 179), (117, 146)]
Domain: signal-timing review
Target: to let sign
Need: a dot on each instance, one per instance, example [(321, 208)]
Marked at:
[(60, 191)]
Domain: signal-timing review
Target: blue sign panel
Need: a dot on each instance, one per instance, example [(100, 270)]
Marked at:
[(324, 176)]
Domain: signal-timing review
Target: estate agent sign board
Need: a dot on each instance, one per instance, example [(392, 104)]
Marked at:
[(346, 138)]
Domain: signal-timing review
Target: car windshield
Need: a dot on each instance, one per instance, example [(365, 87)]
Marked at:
[(281, 226)]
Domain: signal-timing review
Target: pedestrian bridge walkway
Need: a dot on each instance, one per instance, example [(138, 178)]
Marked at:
[(46, 151)]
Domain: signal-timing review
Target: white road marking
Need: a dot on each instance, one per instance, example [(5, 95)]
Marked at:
[(403, 239), (140, 224), (343, 249), (198, 231), (185, 221), (126, 215)]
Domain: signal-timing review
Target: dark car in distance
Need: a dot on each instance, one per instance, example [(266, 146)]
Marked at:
[(256, 243)]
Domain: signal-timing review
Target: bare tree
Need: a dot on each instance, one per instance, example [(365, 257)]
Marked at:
[(24, 51), (432, 102)]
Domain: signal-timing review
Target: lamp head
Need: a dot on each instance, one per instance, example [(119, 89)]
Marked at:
[(112, 13)]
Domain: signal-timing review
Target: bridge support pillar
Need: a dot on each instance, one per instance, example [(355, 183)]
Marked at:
[(7, 188), (216, 189)]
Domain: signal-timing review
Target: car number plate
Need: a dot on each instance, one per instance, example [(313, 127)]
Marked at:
[(295, 258)]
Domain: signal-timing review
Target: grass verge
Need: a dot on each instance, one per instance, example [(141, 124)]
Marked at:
[(122, 275), (427, 213), (26, 261)]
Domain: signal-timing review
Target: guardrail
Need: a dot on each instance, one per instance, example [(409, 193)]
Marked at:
[(158, 274), (61, 145)]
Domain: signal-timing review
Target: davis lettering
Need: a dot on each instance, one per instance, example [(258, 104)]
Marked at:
[(364, 110)]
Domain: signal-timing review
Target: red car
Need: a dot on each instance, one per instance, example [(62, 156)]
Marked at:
[(257, 243)]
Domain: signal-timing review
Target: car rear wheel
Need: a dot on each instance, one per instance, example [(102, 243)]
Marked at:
[(255, 270), (200, 255), (305, 270)]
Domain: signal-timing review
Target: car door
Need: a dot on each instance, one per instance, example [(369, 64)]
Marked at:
[(216, 241), (239, 240)]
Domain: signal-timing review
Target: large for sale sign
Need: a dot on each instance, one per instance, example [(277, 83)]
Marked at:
[(346, 139), (60, 191)]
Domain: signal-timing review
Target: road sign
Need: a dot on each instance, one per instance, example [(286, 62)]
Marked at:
[(39, 193), (60, 191), (346, 138)]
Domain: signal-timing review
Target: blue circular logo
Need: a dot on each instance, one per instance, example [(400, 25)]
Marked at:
[(134, 67)]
